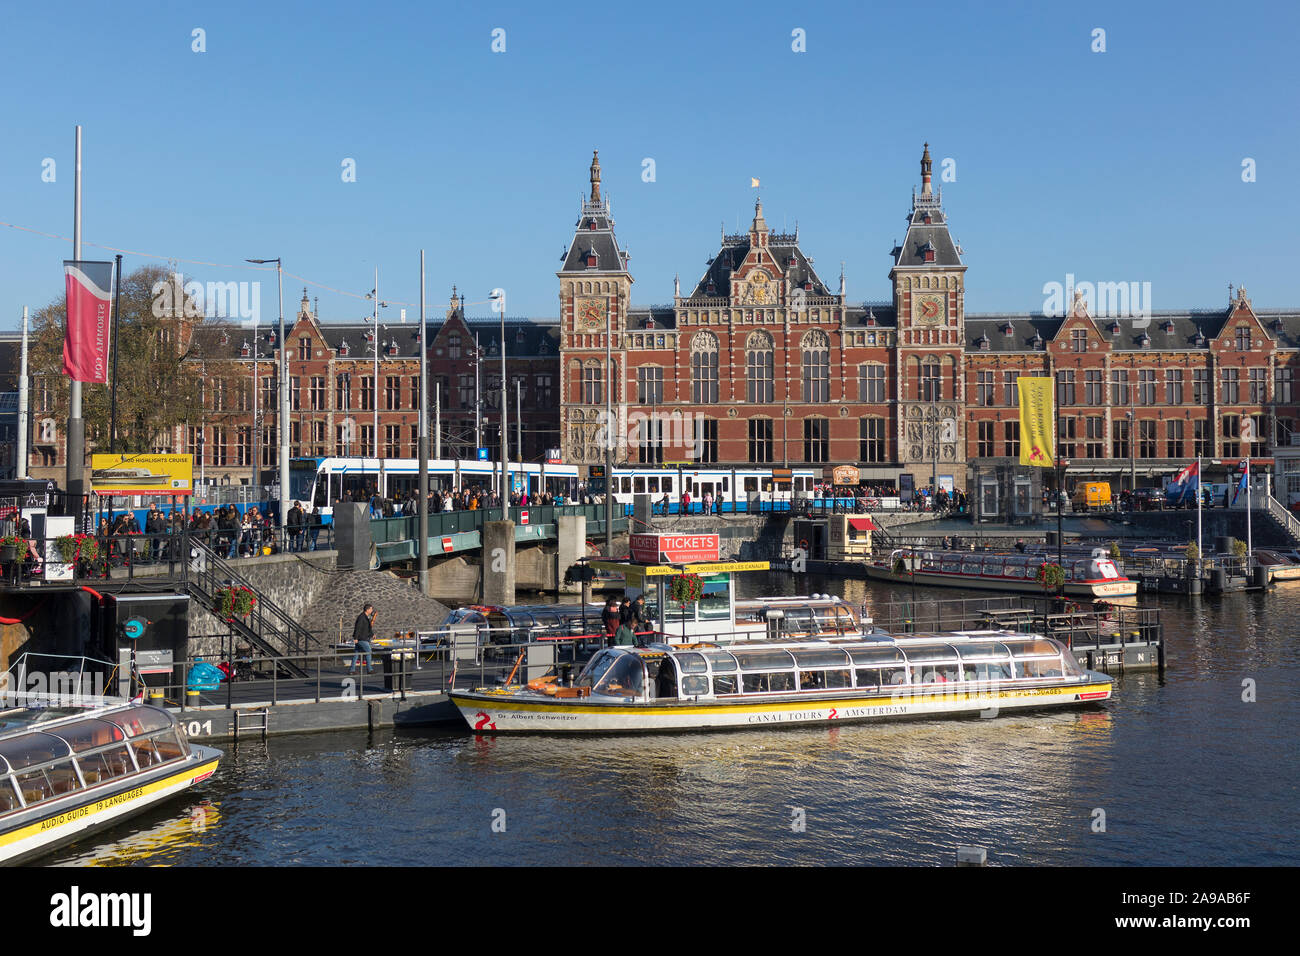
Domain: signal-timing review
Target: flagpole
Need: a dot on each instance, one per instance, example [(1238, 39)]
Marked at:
[(1249, 543), (1198, 506), (76, 443)]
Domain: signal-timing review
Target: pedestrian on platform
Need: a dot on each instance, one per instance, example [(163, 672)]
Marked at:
[(362, 632)]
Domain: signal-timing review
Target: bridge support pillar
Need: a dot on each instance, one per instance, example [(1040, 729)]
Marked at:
[(572, 533), (498, 562), (352, 535), (642, 515)]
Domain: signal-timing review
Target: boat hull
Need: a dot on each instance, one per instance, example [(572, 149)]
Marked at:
[(512, 711), (1089, 589), (56, 823)]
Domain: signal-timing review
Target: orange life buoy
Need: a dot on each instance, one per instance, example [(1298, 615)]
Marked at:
[(803, 543)]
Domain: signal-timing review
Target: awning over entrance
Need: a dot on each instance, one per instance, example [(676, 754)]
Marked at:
[(863, 524)]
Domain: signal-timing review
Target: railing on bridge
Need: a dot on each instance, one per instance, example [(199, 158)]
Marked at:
[(447, 523)]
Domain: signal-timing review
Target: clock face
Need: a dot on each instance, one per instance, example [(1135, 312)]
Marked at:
[(590, 313), (929, 309)]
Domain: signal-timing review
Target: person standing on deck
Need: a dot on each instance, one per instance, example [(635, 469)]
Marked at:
[(362, 632)]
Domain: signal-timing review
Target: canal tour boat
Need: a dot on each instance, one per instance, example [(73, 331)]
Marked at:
[(1094, 576), (69, 769), (707, 686)]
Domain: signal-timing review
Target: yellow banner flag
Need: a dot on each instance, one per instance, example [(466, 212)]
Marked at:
[(1037, 434)]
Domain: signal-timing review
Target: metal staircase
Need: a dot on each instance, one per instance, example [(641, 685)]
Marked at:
[(1287, 523), (268, 628)]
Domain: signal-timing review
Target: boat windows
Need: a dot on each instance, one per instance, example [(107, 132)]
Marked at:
[(31, 749), (89, 734), (691, 663), (992, 566), (838, 678), (1079, 572), (975, 652), (105, 764), (819, 656), (876, 655), (753, 659), (990, 671), (1032, 648), (971, 565), (929, 563), (694, 685), (596, 668), (715, 601), (724, 684), (931, 652), (951, 563), (141, 720), (1015, 568), (721, 662), (624, 677), (940, 674), (8, 796)]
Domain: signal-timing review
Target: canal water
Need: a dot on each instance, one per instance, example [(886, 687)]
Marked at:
[(1198, 768)]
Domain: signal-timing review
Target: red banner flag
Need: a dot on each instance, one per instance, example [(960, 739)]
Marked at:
[(85, 347)]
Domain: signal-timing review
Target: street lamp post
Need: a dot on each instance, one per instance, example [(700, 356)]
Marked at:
[(283, 418), (498, 297)]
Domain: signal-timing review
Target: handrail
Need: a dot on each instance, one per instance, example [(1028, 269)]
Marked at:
[(215, 573), (1288, 521)]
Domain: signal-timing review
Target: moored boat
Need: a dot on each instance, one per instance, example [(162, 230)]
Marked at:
[(69, 769), (713, 687), (1095, 576)]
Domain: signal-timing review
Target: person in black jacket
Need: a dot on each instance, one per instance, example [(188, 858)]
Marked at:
[(295, 521), (362, 631)]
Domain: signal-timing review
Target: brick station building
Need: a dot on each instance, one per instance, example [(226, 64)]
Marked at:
[(766, 364)]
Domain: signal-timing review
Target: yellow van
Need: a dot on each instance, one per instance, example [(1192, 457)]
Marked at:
[(1091, 496)]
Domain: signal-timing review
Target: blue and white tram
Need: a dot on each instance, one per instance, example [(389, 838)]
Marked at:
[(733, 489), (319, 482)]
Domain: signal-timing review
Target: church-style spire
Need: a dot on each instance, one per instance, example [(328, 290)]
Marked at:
[(925, 172), (595, 176), (760, 224)]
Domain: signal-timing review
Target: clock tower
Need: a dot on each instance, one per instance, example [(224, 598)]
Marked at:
[(595, 291), (928, 279)]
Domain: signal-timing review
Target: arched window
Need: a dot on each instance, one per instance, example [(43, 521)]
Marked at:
[(816, 367), (758, 367), (704, 369), (931, 382)]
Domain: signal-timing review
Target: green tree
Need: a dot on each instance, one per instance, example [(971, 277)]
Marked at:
[(163, 378)]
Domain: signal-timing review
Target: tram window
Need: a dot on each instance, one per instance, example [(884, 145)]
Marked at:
[(626, 485), (768, 485), (751, 484), (638, 485), (724, 684), (726, 485), (695, 686), (692, 663), (652, 485)]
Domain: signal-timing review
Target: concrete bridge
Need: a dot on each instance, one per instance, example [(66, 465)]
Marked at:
[(528, 549)]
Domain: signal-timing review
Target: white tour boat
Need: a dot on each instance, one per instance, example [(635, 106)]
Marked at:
[(1095, 576), (764, 683), (69, 769)]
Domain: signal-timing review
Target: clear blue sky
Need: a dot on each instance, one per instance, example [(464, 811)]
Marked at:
[(1117, 166)]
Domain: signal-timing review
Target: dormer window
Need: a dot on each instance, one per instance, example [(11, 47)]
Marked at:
[(1114, 328), (343, 348), (871, 319), (1169, 326), (225, 339), (649, 323), (983, 343), (807, 285), (245, 351), (1008, 329), (392, 347), (1144, 341), (370, 335), (591, 224), (592, 258), (792, 261), (711, 289), (1037, 340), (1200, 338), (926, 219), (1277, 325)]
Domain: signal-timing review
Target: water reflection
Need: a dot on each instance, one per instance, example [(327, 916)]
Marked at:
[(1184, 770)]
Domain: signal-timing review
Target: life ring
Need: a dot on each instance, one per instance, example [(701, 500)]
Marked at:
[(803, 544)]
